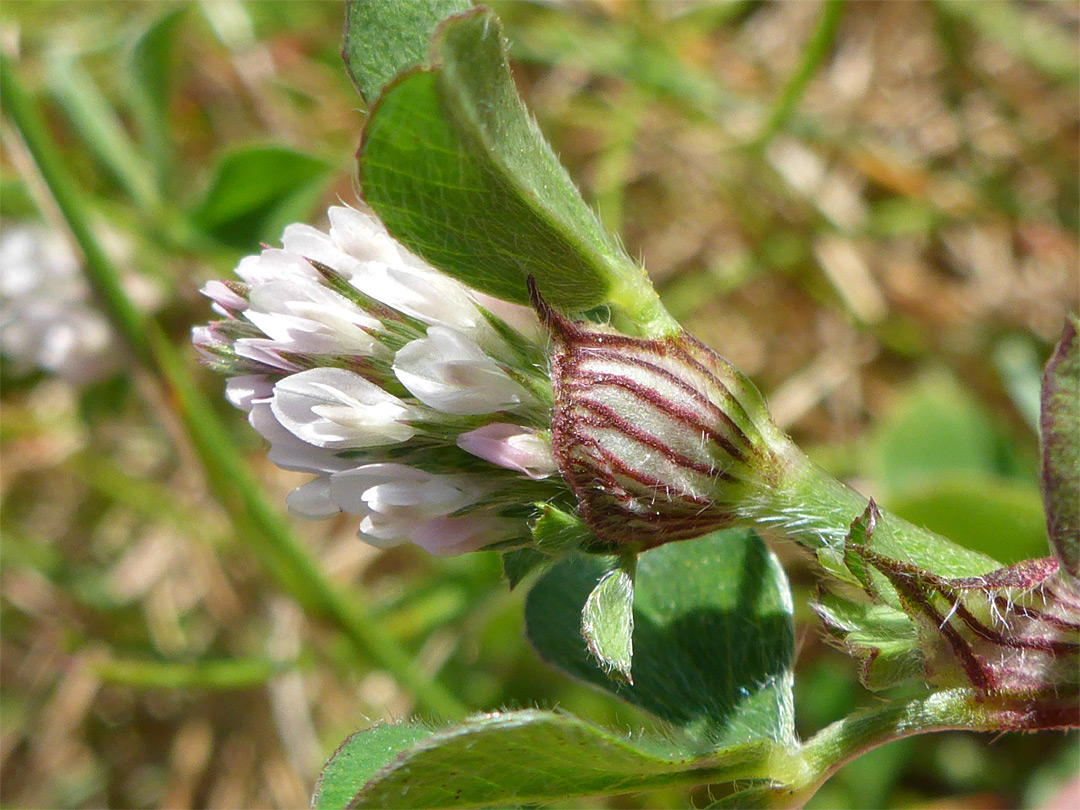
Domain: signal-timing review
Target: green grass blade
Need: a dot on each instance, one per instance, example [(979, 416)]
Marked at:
[(229, 673), (99, 126), (817, 48)]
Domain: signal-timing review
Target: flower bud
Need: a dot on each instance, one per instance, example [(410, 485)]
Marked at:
[(658, 438)]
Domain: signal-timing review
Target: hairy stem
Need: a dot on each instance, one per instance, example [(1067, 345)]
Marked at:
[(813, 509), (805, 770)]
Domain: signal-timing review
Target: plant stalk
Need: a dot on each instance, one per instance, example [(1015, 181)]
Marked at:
[(806, 769), (816, 49), (816, 511)]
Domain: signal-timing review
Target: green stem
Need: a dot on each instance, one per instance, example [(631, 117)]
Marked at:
[(817, 48), (234, 673), (1018, 29), (815, 510), (99, 126), (806, 769), (261, 526), (142, 496)]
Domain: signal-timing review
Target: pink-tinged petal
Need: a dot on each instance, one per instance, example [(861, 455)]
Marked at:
[(420, 293), (446, 537), (362, 236), (273, 264), (289, 452), (350, 486), (399, 503), (266, 352), (206, 339), (402, 492), (513, 447), (311, 243), (304, 316), (227, 301)]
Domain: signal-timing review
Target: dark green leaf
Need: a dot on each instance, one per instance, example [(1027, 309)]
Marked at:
[(607, 620), (386, 37), (459, 172), (1060, 423), (713, 643), (359, 758), (257, 190), (149, 82), (937, 430), (529, 756), (997, 516), (518, 563)]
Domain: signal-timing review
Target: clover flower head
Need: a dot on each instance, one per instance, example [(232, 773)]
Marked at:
[(420, 405), (47, 320)]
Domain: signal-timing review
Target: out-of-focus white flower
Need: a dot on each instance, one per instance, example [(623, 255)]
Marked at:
[(46, 318), (420, 405)]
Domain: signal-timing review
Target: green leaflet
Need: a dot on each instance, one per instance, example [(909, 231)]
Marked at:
[(383, 39), (512, 758), (360, 757), (713, 642), (259, 190), (884, 640), (149, 89), (458, 170), (607, 620)]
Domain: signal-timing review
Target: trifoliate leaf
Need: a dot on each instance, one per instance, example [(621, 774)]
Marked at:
[(713, 640)]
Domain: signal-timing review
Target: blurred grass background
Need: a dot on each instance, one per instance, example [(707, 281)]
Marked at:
[(871, 208)]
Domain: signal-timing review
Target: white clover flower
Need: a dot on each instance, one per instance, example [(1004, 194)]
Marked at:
[(448, 371), (334, 408), (399, 503), (420, 405), (449, 419), (47, 320)]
